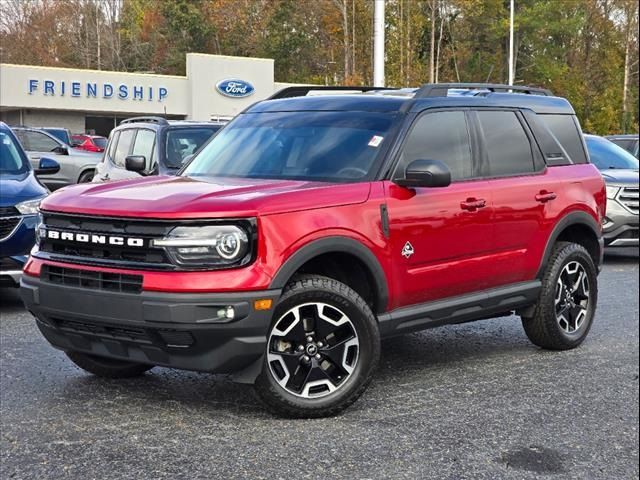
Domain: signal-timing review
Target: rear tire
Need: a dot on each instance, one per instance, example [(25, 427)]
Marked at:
[(86, 177), (322, 351), (567, 303), (107, 367)]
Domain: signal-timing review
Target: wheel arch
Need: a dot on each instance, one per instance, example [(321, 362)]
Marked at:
[(578, 227), (338, 247), (84, 170)]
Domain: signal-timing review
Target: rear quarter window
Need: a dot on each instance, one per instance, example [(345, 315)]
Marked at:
[(566, 130)]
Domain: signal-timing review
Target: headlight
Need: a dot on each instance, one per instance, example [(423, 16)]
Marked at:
[(222, 245), (30, 207), (612, 192)]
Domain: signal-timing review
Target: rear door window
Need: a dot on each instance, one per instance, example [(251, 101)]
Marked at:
[(124, 146), (506, 144), (565, 129)]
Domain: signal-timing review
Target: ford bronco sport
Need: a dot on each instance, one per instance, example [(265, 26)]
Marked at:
[(311, 227)]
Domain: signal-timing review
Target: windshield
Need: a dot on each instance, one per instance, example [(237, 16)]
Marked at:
[(11, 161), (607, 155), (182, 142), (317, 146), (100, 142)]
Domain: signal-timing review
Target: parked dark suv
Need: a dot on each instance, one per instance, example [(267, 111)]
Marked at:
[(143, 146), (309, 228)]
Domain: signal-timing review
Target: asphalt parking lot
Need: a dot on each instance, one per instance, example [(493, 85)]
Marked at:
[(467, 401)]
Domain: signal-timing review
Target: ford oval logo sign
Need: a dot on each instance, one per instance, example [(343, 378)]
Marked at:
[(235, 88)]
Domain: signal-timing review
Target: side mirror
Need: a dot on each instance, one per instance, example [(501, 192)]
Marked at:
[(425, 173), (136, 163), (60, 150), (47, 166)]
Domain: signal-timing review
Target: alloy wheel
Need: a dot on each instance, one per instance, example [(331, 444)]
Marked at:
[(572, 297), (312, 350)]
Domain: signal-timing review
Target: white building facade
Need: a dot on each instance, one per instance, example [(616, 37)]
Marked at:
[(95, 101)]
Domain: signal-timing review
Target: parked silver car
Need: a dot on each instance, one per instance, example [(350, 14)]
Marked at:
[(76, 166), (620, 172)]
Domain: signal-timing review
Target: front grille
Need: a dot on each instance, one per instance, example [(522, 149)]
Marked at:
[(115, 332), (114, 282), (632, 234), (161, 336), (628, 197), (7, 226), (8, 263), (146, 257), (9, 212)]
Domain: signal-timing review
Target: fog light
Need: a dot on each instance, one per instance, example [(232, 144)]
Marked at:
[(264, 304), (606, 222), (227, 313)]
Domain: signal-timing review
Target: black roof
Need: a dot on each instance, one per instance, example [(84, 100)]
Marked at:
[(413, 100)]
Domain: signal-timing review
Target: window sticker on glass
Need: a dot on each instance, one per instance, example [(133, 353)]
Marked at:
[(375, 141)]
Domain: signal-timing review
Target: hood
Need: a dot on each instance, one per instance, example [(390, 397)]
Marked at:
[(614, 176), (18, 188), (199, 197)]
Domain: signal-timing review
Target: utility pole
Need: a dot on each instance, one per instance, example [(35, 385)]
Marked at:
[(378, 43), (511, 66)]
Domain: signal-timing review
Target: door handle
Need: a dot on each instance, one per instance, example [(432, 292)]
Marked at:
[(545, 196), (473, 204)]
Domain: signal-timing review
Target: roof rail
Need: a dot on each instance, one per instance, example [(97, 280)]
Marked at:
[(158, 120), (441, 89), (303, 90)]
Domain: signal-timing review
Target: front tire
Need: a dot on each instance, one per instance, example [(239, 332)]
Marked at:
[(567, 303), (107, 367), (322, 351)]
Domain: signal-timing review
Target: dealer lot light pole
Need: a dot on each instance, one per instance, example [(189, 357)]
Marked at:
[(378, 43)]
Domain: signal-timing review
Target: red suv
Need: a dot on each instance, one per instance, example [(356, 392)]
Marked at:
[(311, 227), (90, 143)]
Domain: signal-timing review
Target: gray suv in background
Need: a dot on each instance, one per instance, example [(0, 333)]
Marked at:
[(76, 166), (620, 171), (142, 146)]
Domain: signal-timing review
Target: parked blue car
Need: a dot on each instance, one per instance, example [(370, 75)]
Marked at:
[(20, 196)]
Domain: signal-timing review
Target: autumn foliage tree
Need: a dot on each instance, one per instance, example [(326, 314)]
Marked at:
[(586, 50)]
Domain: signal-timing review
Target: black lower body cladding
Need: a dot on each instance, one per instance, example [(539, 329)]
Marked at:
[(184, 331)]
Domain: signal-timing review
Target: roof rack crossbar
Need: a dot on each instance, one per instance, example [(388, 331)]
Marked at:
[(441, 89), (158, 120), (303, 90)]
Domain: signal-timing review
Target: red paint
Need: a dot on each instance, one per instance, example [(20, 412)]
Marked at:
[(468, 236), (87, 142)]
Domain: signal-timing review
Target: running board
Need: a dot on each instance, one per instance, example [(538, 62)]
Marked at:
[(464, 308)]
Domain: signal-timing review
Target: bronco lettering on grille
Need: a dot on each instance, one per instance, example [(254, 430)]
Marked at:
[(95, 238)]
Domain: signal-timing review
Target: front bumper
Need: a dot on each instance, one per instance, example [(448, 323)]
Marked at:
[(171, 330), (621, 229)]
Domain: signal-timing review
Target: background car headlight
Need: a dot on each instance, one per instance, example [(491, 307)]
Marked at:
[(222, 245), (29, 207), (612, 192)]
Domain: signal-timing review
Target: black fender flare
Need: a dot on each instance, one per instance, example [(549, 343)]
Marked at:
[(572, 218), (336, 244)]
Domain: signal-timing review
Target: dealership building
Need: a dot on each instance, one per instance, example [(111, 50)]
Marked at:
[(215, 88)]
